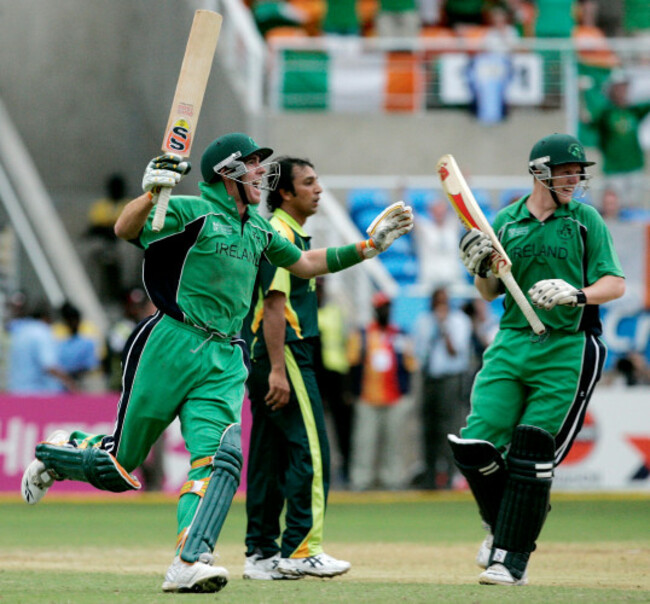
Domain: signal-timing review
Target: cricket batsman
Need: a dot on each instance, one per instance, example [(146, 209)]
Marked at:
[(185, 360), (529, 399)]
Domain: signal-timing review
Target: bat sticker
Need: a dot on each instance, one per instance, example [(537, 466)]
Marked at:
[(179, 137)]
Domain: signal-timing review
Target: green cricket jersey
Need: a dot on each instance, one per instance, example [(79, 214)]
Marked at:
[(301, 308), (200, 269), (573, 244), (618, 132)]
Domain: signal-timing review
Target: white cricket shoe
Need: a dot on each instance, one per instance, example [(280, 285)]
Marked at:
[(320, 565), (498, 574), (36, 479), (483, 555), (200, 577), (265, 569)]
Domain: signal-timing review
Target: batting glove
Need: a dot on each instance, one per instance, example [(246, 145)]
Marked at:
[(396, 220), (164, 171), (547, 293), (476, 251)]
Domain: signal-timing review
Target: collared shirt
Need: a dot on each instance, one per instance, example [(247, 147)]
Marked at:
[(572, 244), (431, 349), (200, 268), (301, 304)]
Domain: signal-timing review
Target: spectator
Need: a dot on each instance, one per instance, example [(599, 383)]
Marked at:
[(484, 328), (634, 369), (429, 12), (398, 19), (380, 363), (443, 343), (77, 353), (610, 208), (341, 18), (459, 13), (618, 122), (333, 372), (437, 237), (103, 251), (33, 364), (269, 14), (490, 72)]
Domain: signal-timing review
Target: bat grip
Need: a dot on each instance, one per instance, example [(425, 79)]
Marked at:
[(161, 208), (522, 302)]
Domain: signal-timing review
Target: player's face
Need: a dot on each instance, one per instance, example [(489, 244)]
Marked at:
[(565, 179), (306, 196), (254, 174)]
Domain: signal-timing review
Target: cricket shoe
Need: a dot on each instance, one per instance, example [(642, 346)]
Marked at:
[(320, 565), (265, 569), (37, 479), (200, 577), (498, 574), (483, 555)]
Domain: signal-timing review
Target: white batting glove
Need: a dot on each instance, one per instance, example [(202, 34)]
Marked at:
[(476, 250), (164, 171), (396, 220), (547, 293)]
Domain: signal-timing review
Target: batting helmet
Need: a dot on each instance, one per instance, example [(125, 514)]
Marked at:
[(555, 150), (223, 147)]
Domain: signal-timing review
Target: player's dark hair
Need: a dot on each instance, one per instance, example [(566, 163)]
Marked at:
[(285, 182)]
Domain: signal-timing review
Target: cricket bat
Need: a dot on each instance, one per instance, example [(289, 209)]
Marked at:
[(188, 98), (472, 217)]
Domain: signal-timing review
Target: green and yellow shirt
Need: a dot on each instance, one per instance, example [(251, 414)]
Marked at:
[(301, 306)]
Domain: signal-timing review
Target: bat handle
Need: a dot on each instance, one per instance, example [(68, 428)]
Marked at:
[(161, 208), (523, 303)]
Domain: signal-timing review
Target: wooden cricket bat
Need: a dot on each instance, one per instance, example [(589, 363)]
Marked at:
[(472, 217), (188, 98)]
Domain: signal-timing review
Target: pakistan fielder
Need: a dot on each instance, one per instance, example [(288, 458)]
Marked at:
[(185, 360), (529, 399), (289, 457)]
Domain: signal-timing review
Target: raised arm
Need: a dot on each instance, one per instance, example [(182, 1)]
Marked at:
[(396, 220), (163, 171)]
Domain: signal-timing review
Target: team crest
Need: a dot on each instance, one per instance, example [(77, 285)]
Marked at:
[(575, 150), (566, 230)]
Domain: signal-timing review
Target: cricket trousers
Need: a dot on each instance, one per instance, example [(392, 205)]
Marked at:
[(288, 460), (175, 370), (547, 384)]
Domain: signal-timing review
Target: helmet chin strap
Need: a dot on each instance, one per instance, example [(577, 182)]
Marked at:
[(555, 199), (242, 193)]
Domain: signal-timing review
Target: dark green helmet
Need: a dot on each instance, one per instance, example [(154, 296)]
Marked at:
[(555, 150), (228, 146)]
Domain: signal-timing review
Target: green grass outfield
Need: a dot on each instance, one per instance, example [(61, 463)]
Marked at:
[(404, 547)]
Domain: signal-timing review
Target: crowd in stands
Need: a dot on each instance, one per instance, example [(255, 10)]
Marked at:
[(448, 18)]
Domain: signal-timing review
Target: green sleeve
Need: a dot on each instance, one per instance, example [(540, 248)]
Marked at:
[(602, 258), (174, 220), (280, 251)]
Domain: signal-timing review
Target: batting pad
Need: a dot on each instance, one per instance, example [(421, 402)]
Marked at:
[(485, 471), (526, 498), (92, 464), (203, 532)]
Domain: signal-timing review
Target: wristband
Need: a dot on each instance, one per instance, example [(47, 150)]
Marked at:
[(581, 298), (149, 195), (339, 258)]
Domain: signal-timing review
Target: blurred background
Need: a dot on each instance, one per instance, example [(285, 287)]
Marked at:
[(373, 92)]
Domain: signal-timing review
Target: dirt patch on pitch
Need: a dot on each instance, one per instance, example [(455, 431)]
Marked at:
[(607, 565)]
